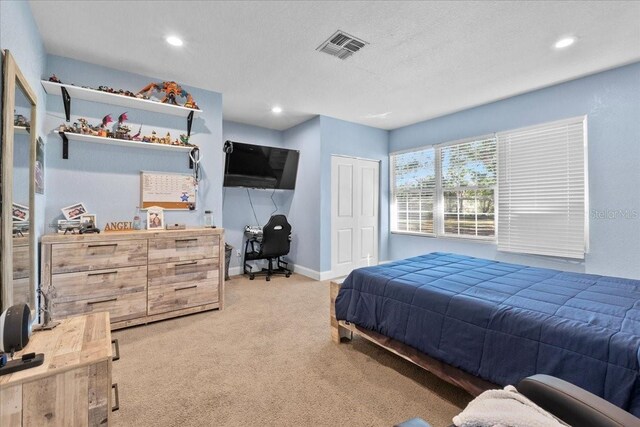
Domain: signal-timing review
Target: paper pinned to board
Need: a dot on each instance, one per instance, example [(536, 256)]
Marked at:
[(167, 190)]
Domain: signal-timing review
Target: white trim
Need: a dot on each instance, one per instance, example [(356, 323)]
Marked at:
[(357, 158), (299, 269), (445, 143), (235, 271)]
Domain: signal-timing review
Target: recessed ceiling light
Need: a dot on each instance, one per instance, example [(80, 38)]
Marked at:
[(174, 41), (276, 110), (565, 42)]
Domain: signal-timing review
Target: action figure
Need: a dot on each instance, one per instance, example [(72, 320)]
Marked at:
[(171, 91)]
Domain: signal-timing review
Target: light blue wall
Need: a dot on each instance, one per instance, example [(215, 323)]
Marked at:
[(612, 102), (107, 178), (237, 212), (304, 212), (351, 139), (19, 34)]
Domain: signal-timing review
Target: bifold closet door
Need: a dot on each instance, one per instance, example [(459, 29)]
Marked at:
[(355, 190)]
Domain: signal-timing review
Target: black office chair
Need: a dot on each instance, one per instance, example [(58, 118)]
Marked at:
[(275, 243)]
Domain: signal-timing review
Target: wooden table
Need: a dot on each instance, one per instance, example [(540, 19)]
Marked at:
[(73, 385)]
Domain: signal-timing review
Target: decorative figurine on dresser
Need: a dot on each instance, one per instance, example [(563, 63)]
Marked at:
[(138, 276)]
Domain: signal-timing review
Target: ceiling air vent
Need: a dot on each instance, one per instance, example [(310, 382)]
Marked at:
[(341, 45)]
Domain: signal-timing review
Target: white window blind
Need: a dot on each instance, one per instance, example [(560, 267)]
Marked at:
[(413, 187), (542, 208), (468, 181)]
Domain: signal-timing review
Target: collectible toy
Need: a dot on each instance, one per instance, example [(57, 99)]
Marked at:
[(171, 91)]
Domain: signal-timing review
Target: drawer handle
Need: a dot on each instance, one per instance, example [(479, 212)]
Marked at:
[(103, 246), (186, 263), (187, 240), (102, 300), (186, 287), (117, 345), (103, 273), (117, 405)]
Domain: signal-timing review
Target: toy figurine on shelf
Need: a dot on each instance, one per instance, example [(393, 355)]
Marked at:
[(121, 130), (54, 79), (172, 90), (20, 120), (103, 131), (85, 128), (137, 136)]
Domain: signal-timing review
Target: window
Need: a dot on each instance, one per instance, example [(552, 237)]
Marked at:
[(447, 190), (468, 181), (543, 189), (413, 190)]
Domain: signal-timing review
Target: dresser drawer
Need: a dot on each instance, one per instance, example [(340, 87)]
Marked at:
[(99, 283), (179, 249), (21, 262), (180, 285), (120, 307), (71, 257)]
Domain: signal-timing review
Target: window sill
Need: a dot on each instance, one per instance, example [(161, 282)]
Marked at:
[(489, 240)]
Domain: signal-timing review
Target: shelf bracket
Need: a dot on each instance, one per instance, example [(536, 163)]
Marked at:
[(66, 99), (189, 123), (65, 145)]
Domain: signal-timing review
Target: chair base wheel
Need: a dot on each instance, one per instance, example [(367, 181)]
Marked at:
[(287, 275), (252, 276), (268, 279)]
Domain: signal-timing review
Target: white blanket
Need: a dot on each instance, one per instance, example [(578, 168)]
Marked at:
[(505, 408)]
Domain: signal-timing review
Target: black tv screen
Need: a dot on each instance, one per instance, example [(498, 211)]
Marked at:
[(257, 166)]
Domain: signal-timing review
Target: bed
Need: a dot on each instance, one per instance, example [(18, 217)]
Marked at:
[(479, 323)]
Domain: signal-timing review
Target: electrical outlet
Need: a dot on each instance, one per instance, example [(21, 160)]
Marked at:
[(238, 253)]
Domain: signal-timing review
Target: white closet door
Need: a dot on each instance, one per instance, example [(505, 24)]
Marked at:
[(355, 190)]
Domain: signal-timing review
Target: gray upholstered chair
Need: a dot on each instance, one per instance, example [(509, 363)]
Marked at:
[(573, 405)]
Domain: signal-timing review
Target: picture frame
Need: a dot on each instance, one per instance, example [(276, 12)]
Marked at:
[(39, 166), (85, 218), (74, 211), (155, 218), (19, 212)]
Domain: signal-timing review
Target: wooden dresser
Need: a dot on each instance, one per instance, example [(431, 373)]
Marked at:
[(137, 276), (73, 385), (21, 270)]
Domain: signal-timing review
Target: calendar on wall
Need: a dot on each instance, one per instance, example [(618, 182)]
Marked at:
[(167, 190)]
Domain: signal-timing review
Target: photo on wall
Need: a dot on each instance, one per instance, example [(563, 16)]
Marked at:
[(39, 167)]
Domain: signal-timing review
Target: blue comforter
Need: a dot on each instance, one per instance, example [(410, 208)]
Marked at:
[(503, 322)]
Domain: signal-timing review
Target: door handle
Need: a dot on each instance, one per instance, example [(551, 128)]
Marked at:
[(117, 405), (102, 300), (103, 273), (117, 345)]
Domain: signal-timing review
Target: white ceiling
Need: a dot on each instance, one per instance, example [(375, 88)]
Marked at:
[(425, 59)]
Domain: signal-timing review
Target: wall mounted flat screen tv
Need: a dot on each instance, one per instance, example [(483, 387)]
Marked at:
[(257, 166)]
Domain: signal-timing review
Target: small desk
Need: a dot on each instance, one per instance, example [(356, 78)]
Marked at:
[(73, 385)]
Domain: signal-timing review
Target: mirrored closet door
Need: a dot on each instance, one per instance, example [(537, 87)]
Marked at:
[(18, 243)]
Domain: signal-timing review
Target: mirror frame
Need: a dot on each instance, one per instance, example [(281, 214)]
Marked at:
[(14, 79)]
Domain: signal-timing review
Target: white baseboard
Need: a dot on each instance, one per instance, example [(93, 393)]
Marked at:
[(235, 271), (299, 269), (313, 274)]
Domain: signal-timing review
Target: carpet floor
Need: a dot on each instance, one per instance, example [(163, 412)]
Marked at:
[(268, 360)]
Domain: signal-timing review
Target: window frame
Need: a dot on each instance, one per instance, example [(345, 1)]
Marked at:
[(438, 203)]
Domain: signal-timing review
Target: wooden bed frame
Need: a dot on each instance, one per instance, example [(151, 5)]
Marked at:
[(341, 329)]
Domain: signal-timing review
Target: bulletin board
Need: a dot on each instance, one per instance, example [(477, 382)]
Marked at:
[(167, 190)]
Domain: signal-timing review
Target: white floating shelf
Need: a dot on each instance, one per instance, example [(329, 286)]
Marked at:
[(20, 130), (113, 141), (77, 92)]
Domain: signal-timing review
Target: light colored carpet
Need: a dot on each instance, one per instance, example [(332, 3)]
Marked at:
[(268, 360)]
